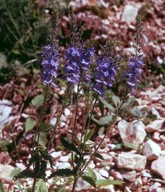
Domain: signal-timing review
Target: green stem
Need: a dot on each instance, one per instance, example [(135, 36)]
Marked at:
[(74, 184), (37, 135)]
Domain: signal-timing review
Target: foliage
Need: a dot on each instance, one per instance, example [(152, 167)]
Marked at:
[(90, 79)]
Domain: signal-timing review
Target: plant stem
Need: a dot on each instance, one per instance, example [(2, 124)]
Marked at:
[(34, 184), (74, 184)]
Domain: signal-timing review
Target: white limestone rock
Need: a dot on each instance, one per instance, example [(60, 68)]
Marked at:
[(133, 133), (130, 13), (158, 167), (151, 150), (156, 125), (131, 161), (128, 175)]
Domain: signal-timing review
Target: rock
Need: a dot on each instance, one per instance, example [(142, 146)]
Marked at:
[(5, 110), (116, 175), (155, 125), (133, 133), (146, 174), (129, 175), (131, 161), (5, 171), (61, 165), (107, 160), (155, 112), (151, 150), (156, 187), (67, 112), (5, 158), (103, 173), (130, 13), (158, 167)]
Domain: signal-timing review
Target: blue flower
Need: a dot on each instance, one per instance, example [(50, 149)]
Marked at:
[(134, 71), (50, 64), (78, 64), (104, 74)]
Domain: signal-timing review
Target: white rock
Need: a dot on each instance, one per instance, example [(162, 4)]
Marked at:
[(128, 175), (67, 111), (56, 154), (64, 158), (103, 173), (133, 133), (81, 184), (158, 167), (155, 112), (155, 125), (151, 150), (162, 153), (156, 187), (61, 165), (116, 175), (53, 121), (130, 12), (146, 174), (5, 171), (131, 161), (5, 110)]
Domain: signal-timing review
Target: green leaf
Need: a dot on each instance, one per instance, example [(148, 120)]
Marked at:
[(89, 135), (69, 146), (30, 124), (98, 156), (45, 127), (108, 105), (105, 120), (89, 180), (43, 138), (61, 189), (104, 182), (136, 112), (1, 187), (91, 174), (27, 173), (116, 100), (19, 185), (130, 145), (15, 172), (41, 186), (38, 100), (62, 172)]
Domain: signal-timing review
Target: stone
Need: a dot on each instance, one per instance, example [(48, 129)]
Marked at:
[(116, 175), (128, 175), (158, 167), (5, 111), (156, 187), (103, 173), (5, 171), (151, 150), (130, 13), (133, 133), (155, 125), (131, 161)]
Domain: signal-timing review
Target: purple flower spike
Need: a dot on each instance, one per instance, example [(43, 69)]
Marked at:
[(50, 64), (104, 75), (78, 64), (134, 71)]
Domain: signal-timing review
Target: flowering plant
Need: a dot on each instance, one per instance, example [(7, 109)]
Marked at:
[(89, 79)]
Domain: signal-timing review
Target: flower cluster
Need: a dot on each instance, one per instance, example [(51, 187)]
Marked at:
[(104, 75), (50, 64), (78, 64), (134, 71)]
